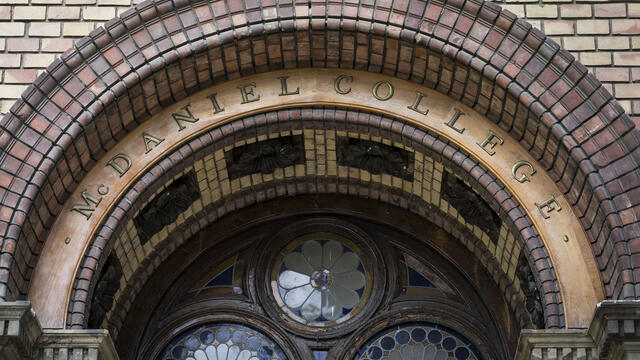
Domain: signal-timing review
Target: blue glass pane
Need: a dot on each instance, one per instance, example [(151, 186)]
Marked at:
[(416, 279), (222, 341), (225, 278), (320, 354), (418, 341)]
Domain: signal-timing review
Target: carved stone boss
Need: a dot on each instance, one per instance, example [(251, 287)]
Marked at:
[(559, 228)]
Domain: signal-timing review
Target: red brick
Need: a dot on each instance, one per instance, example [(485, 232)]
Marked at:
[(612, 74), (56, 45), (627, 91), (610, 10), (626, 58), (5, 12), (19, 76), (626, 27), (23, 45), (63, 13), (9, 60)]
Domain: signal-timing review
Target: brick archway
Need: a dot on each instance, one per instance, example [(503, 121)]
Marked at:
[(473, 51)]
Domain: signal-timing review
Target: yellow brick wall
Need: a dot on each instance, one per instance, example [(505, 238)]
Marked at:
[(603, 35)]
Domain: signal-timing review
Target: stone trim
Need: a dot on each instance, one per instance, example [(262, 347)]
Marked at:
[(25, 339), (613, 334), (19, 330)]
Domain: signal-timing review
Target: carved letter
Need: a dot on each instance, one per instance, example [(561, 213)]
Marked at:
[(246, 90), (336, 84), (550, 204), (87, 208), (376, 87), (523, 177), (216, 106), (150, 139), (283, 85), (492, 140), (416, 103), (452, 122), (114, 164), (180, 117)]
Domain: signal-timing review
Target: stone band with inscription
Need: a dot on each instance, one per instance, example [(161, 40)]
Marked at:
[(512, 164)]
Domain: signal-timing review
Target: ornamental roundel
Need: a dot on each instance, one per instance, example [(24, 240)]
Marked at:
[(423, 341), (322, 279), (222, 341)]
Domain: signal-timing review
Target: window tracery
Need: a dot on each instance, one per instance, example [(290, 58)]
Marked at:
[(333, 290)]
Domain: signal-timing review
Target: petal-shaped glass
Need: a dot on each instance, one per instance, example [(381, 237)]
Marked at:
[(231, 342), (311, 308), (353, 280), (347, 298), (296, 297), (331, 251), (347, 262), (331, 310), (295, 261), (312, 251), (292, 279), (320, 279)]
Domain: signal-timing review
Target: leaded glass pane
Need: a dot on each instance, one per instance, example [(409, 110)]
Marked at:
[(320, 280), (418, 342), (222, 342)]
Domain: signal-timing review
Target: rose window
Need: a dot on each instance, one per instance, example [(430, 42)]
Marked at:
[(321, 280)]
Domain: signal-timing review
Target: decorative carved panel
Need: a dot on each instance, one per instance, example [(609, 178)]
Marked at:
[(265, 156), (470, 205), (166, 206), (375, 157)]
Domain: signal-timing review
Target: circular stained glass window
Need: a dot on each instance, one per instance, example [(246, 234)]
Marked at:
[(418, 342), (320, 280), (222, 342)]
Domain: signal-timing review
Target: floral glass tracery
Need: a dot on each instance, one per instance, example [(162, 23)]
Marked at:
[(421, 341), (217, 341), (320, 280)]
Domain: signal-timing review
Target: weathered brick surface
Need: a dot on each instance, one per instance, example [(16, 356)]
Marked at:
[(484, 57)]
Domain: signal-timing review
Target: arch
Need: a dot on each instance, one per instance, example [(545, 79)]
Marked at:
[(114, 229), (162, 51)]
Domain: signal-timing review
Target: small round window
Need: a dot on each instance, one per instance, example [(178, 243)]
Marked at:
[(320, 279)]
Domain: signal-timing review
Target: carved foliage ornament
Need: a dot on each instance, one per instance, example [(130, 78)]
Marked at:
[(166, 206), (376, 158), (265, 156), (107, 285), (530, 290), (470, 206)]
